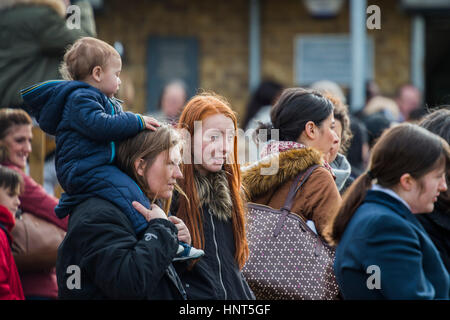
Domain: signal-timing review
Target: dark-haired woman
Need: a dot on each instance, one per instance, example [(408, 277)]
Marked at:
[(383, 252), (305, 125), (437, 223)]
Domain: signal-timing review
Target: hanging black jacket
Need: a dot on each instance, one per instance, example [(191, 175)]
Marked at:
[(114, 262), (437, 225)]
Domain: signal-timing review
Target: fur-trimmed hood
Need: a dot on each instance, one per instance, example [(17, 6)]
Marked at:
[(56, 5), (257, 179)]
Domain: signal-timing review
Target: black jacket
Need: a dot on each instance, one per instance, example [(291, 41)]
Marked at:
[(216, 276), (437, 225), (115, 262)]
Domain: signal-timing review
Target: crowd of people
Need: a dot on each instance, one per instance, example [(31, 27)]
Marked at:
[(156, 207)]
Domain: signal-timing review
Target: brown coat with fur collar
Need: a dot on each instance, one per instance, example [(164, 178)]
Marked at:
[(318, 198)]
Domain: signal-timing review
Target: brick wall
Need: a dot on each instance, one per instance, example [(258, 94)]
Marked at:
[(283, 20), (392, 47), (220, 26), (222, 30)]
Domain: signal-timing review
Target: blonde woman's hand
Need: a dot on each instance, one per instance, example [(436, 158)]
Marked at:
[(149, 214), (183, 232)]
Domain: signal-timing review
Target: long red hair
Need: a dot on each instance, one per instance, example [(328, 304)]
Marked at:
[(198, 108)]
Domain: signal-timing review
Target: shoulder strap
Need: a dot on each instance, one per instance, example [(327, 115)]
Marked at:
[(6, 232), (296, 185)]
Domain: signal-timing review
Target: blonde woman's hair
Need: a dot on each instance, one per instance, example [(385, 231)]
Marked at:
[(146, 145)]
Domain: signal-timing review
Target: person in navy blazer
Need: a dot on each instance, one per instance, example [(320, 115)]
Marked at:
[(383, 252)]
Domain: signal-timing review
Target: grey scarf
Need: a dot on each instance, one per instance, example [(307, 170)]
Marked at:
[(341, 169)]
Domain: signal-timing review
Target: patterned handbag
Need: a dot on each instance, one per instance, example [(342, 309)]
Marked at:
[(288, 260)]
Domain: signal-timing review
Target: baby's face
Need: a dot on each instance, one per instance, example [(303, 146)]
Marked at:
[(110, 81)]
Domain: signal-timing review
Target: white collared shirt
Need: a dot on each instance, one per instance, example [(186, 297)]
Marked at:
[(377, 187)]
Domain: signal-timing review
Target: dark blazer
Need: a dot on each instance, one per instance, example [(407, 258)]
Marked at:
[(385, 234), (437, 225)]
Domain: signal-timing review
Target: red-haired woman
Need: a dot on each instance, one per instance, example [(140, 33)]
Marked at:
[(213, 210)]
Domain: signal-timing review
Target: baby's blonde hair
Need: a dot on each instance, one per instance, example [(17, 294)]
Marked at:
[(84, 55)]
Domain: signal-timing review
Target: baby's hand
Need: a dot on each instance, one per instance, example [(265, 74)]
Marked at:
[(150, 123), (155, 212), (183, 231)]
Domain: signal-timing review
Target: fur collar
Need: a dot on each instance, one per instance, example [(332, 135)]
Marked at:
[(213, 191), (56, 5), (291, 163)]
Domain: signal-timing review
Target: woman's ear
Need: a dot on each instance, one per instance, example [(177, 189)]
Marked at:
[(97, 73), (310, 130), (407, 182), (139, 167)]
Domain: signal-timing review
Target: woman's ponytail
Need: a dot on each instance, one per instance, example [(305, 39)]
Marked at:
[(352, 199)]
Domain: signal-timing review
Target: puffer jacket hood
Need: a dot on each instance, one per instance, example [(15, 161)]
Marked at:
[(290, 164), (46, 101), (56, 5)]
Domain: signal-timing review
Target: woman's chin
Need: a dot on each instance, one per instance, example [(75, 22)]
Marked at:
[(19, 163), (165, 195)]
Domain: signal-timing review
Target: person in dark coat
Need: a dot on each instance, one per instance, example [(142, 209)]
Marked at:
[(114, 261), (383, 252), (437, 223), (212, 209), (34, 37)]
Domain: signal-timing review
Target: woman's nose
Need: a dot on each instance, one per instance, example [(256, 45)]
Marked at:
[(226, 146), (177, 173), (336, 138), (443, 186), (28, 147)]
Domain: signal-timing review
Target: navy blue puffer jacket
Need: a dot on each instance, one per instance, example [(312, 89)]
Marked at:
[(87, 124)]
